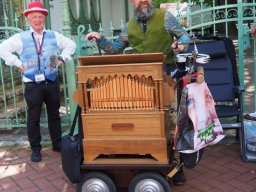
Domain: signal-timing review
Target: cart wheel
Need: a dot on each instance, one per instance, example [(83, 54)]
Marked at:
[(96, 182), (148, 181)]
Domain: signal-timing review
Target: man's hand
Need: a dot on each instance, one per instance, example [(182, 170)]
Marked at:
[(253, 30), (21, 69), (59, 62), (177, 48), (92, 36)]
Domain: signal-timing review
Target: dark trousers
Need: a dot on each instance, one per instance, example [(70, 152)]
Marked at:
[(47, 92)]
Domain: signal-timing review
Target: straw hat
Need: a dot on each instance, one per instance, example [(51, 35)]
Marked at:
[(36, 6)]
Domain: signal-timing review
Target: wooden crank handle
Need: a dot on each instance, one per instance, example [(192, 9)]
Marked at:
[(200, 75)]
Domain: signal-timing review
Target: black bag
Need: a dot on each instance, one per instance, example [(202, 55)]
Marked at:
[(71, 151), (190, 160)]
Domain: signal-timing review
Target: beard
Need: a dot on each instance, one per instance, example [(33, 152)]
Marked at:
[(144, 13)]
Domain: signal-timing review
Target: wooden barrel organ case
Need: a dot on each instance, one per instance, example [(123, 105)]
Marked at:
[(123, 98)]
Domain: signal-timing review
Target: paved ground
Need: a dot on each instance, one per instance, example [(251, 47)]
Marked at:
[(18, 173), (221, 169)]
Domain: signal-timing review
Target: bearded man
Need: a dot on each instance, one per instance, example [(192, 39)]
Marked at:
[(149, 31)]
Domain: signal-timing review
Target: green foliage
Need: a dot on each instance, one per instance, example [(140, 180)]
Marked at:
[(158, 2)]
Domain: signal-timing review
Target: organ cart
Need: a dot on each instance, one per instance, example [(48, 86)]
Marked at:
[(125, 102)]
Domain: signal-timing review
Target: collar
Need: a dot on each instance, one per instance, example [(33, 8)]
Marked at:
[(38, 35), (141, 21)]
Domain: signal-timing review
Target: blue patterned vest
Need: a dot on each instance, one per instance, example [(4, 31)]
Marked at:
[(29, 55)]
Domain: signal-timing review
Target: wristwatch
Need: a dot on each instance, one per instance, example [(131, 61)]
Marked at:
[(61, 59)]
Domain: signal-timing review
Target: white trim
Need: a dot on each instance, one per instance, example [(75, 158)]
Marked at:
[(35, 9)]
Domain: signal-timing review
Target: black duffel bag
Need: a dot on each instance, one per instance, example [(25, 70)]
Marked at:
[(71, 151), (190, 160)]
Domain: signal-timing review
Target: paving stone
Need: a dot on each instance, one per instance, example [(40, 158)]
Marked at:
[(47, 175)]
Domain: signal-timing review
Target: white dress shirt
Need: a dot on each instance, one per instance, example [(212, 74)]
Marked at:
[(14, 44)]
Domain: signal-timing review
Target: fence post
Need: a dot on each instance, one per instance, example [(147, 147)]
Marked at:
[(254, 58), (202, 16), (189, 18), (48, 19), (214, 18), (70, 65), (241, 41), (247, 43)]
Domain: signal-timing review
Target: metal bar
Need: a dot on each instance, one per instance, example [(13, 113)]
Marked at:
[(126, 11), (241, 61), (202, 16), (241, 43), (48, 18), (214, 18), (189, 18), (70, 66), (4, 94), (254, 42), (24, 100), (65, 92), (5, 18), (226, 16), (14, 94), (11, 12)]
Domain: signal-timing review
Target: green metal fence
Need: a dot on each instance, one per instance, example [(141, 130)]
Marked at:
[(221, 19)]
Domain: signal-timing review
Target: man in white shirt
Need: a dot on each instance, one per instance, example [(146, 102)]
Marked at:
[(38, 62)]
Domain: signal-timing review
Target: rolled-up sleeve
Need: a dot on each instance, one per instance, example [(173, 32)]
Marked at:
[(173, 27), (113, 47)]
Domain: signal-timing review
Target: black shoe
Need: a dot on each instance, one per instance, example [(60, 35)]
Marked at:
[(56, 147), (179, 178), (36, 155)]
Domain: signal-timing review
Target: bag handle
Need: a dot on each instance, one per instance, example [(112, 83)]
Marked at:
[(77, 114)]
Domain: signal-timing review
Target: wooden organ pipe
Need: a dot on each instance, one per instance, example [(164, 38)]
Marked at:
[(126, 93)]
